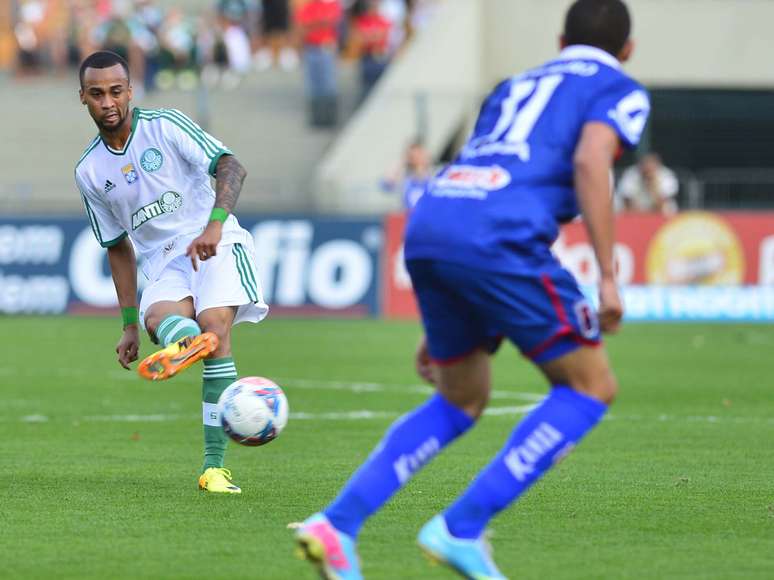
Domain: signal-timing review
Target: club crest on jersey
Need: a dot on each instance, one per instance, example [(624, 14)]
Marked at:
[(169, 202), (129, 173), (151, 160)]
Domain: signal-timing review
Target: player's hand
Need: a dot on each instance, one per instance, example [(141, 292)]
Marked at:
[(610, 306), (129, 346), (425, 367), (206, 245)]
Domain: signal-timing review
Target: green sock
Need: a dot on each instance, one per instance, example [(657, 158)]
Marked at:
[(175, 327), (218, 374)]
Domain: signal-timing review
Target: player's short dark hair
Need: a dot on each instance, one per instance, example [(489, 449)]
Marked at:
[(605, 24), (102, 59)]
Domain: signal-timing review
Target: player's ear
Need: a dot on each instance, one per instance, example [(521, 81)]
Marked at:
[(562, 42), (82, 96), (626, 52)]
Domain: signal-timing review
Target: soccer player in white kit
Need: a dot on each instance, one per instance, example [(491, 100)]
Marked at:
[(146, 178)]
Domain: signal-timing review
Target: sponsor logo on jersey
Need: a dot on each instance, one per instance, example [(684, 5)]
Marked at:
[(109, 186), (129, 173), (488, 178), (151, 160), (169, 202)]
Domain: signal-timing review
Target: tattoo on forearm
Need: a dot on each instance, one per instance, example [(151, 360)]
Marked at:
[(228, 182)]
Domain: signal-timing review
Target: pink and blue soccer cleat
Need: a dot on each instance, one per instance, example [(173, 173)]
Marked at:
[(331, 551), (471, 558)]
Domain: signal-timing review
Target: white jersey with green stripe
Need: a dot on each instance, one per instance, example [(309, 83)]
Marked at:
[(157, 189)]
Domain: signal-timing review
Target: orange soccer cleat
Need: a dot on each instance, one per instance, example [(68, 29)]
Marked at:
[(178, 356)]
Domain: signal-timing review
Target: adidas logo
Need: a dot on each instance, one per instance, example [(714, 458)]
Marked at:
[(109, 185)]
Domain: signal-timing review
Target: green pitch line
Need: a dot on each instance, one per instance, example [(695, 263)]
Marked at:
[(677, 483)]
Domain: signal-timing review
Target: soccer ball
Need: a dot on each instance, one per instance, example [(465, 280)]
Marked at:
[(253, 410)]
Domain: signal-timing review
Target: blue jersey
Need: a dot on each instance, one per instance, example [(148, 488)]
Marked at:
[(499, 204)]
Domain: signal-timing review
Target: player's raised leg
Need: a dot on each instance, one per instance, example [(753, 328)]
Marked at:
[(410, 443), (582, 388), (219, 372), (172, 324)]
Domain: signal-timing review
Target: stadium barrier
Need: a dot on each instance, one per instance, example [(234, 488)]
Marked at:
[(308, 266), (695, 266)]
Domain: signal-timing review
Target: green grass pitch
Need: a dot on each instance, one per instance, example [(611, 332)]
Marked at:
[(99, 467)]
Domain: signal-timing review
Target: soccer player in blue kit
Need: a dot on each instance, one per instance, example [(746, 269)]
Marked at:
[(478, 249)]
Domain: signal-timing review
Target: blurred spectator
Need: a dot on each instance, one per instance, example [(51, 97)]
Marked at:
[(177, 55), (649, 186), (276, 46), (412, 178), (126, 34), (318, 23), (8, 46), (146, 21), (396, 12), (165, 47), (177, 38), (420, 12), (29, 35), (147, 12), (372, 36), (233, 20), (55, 27)]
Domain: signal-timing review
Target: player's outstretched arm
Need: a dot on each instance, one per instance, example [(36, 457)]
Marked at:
[(593, 160), (229, 177), (123, 267)]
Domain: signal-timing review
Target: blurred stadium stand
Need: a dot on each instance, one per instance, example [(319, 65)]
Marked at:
[(707, 66), (706, 63), (263, 121)]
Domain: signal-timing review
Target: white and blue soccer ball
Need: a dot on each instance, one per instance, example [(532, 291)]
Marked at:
[(253, 410)]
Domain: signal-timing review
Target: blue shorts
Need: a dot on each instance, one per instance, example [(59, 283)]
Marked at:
[(544, 314)]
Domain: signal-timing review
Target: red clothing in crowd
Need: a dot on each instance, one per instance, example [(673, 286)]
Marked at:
[(373, 30), (319, 21)]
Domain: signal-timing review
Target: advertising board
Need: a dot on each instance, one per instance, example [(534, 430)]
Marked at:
[(693, 266), (307, 266)]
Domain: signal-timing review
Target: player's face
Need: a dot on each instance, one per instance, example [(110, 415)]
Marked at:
[(106, 92)]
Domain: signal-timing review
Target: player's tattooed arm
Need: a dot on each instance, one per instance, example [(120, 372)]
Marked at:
[(230, 175)]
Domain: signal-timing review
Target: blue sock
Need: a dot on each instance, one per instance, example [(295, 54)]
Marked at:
[(542, 438), (174, 328), (410, 443)]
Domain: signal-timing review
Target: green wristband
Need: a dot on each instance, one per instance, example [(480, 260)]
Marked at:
[(130, 315), (218, 215)]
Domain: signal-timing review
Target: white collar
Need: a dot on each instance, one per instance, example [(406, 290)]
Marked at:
[(585, 52)]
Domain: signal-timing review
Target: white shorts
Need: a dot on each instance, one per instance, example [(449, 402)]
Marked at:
[(227, 279)]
